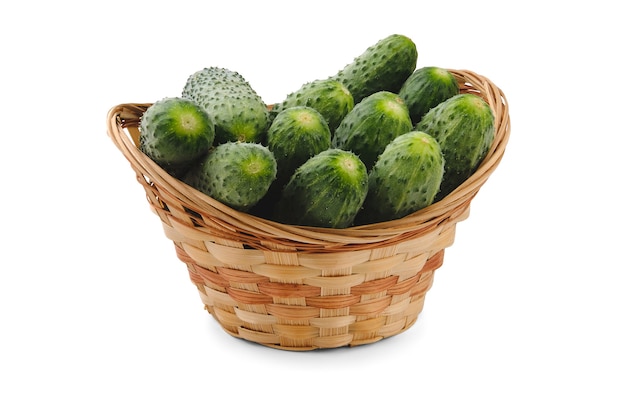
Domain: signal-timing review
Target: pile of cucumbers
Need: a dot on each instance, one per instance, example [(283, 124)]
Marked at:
[(375, 142)]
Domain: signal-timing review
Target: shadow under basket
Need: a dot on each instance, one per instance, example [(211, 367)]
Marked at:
[(304, 288)]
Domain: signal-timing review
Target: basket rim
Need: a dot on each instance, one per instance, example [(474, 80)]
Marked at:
[(122, 128)]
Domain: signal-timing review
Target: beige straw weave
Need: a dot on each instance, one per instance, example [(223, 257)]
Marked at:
[(304, 288)]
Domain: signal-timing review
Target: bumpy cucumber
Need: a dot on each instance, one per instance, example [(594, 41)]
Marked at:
[(464, 127), (237, 174), (329, 97), (425, 88), (384, 66), (238, 112), (371, 125), (295, 135), (404, 179), (174, 133), (327, 190)]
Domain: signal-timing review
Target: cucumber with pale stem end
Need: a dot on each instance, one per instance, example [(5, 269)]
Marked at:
[(237, 174), (327, 190), (295, 135), (329, 97), (175, 133), (371, 125), (464, 127), (405, 178), (426, 88), (239, 113)]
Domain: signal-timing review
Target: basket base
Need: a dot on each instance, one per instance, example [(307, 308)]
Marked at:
[(315, 322), (352, 338), (294, 300)]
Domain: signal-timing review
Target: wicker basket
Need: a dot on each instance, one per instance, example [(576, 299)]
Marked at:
[(305, 288)]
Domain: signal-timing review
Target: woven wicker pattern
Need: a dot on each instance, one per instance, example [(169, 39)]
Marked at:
[(304, 288)]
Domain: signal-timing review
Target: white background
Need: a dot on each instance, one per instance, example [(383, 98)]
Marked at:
[(98, 316)]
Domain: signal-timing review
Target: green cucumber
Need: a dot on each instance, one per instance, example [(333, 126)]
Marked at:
[(425, 88), (329, 97), (239, 113), (237, 174), (327, 190), (464, 127), (295, 135), (371, 125), (384, 66), (174, 133), (405, 178)]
